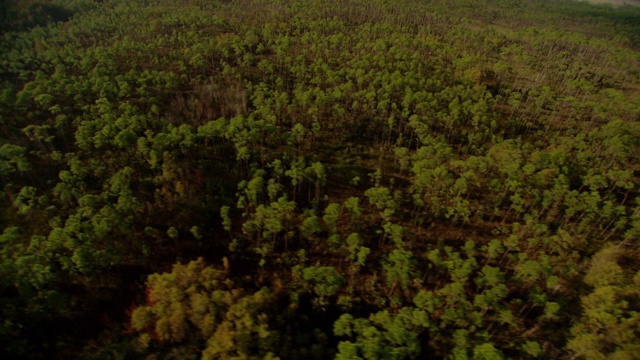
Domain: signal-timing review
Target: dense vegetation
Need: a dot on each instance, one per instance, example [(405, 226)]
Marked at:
[(376, 179)]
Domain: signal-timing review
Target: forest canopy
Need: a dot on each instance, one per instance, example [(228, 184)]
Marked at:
[(349, 179)]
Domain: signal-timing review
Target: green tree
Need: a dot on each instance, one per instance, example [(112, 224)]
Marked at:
[(610, 323), (382, 336), (324, 281), (196, 310)]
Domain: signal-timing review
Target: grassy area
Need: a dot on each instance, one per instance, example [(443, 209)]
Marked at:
[(617, 2)]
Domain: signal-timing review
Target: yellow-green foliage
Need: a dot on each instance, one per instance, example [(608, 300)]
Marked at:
[(196, 305), (610, 326)]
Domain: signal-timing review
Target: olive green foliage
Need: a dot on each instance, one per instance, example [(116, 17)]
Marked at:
[(195, 309), (379, 179), (609, 309), (382, 336)]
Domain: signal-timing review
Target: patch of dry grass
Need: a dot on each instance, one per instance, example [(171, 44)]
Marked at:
[(616, 2)]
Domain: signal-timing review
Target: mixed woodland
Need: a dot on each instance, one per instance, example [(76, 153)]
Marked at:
[(317, 179)]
